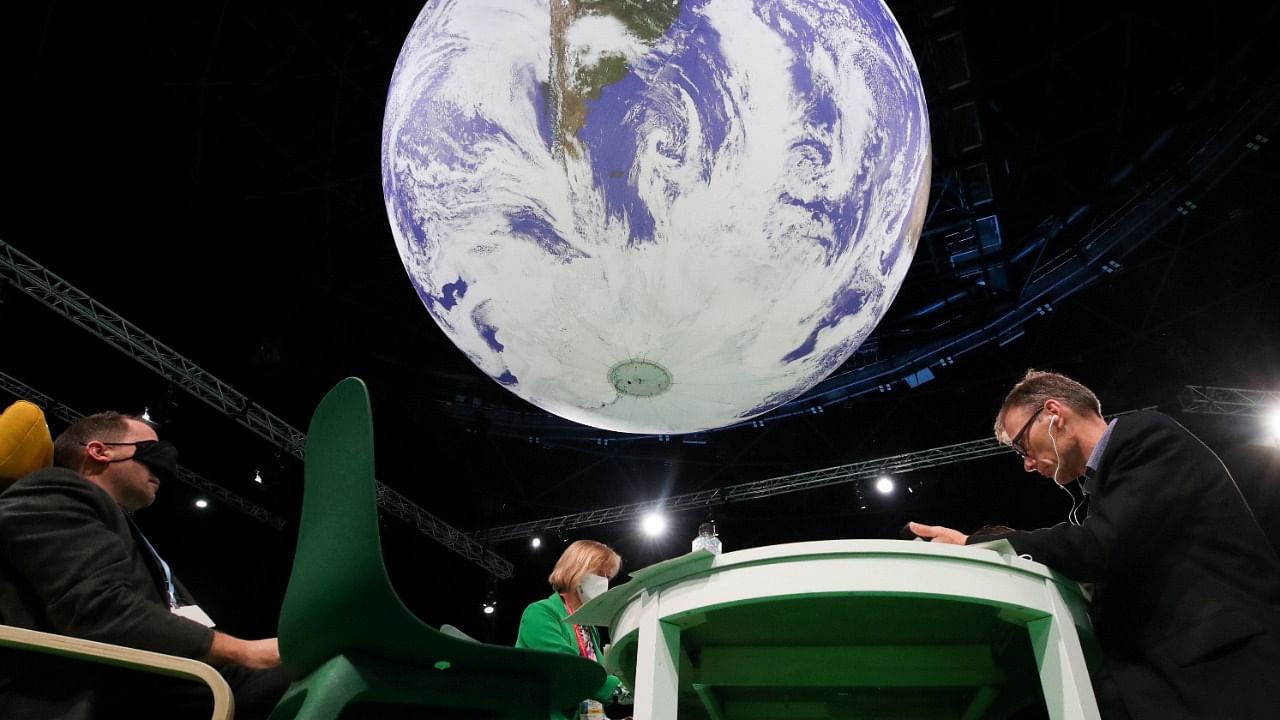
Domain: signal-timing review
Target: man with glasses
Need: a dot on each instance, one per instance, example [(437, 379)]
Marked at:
[(1186, 602), (73, 562)]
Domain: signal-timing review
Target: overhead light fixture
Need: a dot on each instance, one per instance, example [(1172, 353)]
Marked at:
[(146, 414), (536, 542), (1271, 421), (884, 485), (488, 608), (653, 524), (202, 503), (257, 476)]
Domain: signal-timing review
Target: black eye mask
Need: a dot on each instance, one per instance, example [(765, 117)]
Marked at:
[(159, 456)]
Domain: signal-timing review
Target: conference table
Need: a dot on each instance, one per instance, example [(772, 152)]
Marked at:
[(849, 629)]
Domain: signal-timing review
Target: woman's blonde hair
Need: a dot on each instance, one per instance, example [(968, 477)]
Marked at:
[(579, 559)]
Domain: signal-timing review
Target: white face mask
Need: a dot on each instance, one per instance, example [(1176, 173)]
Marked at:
[(592, 586)]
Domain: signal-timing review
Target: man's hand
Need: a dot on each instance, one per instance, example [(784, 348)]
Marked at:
[(937, 533), (253, 654), (261, 654)]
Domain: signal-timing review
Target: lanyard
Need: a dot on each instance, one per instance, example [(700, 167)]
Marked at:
[(586, 647), (168, 574)]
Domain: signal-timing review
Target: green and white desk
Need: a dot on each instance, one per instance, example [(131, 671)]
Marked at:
[(848, 629)]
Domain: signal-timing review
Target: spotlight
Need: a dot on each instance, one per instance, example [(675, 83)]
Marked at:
[(257, 476), (536, 542), (488, 608), (202, 503), (1271, 421), (653, 524), (146, 414), (884, 485)]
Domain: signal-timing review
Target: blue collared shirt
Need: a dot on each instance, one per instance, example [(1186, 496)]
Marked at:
[(1095, 457)]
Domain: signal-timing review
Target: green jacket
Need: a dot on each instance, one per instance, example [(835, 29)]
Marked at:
[(542, 627)]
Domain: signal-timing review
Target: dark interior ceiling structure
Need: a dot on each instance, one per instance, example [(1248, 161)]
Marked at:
[(1103, 204)]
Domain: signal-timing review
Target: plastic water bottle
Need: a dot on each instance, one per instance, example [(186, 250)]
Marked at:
[(707, 538)]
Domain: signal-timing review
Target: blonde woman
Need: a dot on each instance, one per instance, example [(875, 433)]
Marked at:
[(582, 572)]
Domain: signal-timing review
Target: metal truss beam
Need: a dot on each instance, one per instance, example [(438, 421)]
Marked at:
[(20, 390), (1227, 401), (755, 490), (61, 296)]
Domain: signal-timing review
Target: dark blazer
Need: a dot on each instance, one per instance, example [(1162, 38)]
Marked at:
[(70, 563), (1186, 605)]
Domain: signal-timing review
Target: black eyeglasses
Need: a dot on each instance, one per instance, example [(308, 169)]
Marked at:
[(1016, 442)]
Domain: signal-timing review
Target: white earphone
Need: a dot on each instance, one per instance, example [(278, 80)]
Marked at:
[(1075, 504)]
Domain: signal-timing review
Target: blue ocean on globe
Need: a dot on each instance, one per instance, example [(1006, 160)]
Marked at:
[(656, 216)]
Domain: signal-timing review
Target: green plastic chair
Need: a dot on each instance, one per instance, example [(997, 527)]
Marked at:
[(345, 636)]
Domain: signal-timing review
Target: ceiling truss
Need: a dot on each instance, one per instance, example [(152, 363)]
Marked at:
[(62, 297)]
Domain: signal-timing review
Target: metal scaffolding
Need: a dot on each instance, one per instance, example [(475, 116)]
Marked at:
[(1227, 401), (20, 390), (61, 296), (755, 490)]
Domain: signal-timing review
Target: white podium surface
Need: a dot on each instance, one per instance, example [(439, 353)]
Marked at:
[(848, 629)]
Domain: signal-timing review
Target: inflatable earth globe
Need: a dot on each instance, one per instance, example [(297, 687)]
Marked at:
[(656, 216)]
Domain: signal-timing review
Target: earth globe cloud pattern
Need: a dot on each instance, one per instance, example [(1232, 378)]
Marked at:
[(730, 192)]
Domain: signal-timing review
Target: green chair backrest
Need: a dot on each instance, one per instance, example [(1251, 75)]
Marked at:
[(340, 601), (339, 597)]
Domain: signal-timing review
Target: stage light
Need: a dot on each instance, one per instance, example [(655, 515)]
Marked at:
[(653, 524), (202, 503), (536, 542), (488, 608), (884, 485), (257, 476), (1271, 421), (146, 414)]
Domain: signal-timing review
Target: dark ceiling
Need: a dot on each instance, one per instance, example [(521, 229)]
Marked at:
[(1104, 203)]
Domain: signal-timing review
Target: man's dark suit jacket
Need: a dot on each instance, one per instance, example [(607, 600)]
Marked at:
[(70, 563), (1187, 602)]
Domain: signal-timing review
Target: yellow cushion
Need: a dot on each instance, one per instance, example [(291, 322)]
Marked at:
[(25, 444)]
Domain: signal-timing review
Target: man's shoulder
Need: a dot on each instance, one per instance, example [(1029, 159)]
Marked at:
[(1147, 430), (1145, 421), (52, 485)]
